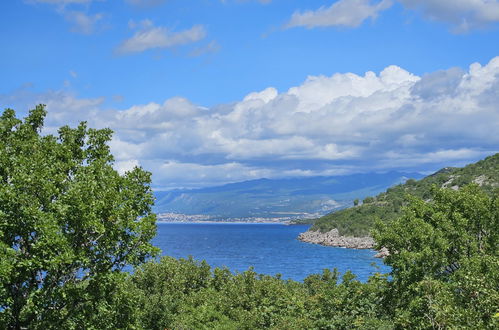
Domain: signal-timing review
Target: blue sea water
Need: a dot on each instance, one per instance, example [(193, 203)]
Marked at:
[(269, 248)]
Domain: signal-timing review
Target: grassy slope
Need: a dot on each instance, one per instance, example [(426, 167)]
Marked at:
[(359, 220)]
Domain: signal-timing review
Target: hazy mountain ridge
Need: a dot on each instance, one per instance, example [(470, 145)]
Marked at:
[(358, 221), (272, 198)]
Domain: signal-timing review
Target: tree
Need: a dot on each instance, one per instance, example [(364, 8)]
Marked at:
[(69, 223), (356, 202), (445, 260), (368, 200)]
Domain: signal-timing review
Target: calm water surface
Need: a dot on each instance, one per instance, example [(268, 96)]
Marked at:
[(269, 248)]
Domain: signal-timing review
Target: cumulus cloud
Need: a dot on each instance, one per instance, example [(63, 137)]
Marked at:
[(337, 124), (463, 15), (349, 13), (150, 37)]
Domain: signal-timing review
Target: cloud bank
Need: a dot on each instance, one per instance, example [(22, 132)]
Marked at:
[(328, 125)]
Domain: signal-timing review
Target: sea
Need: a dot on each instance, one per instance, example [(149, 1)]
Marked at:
[(268, 248)]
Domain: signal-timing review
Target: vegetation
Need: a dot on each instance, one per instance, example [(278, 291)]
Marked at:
[(185, 294), (445, 274), (69, 224), (445, 261), (387, 206)]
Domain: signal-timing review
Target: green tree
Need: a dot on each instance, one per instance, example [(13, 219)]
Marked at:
[(368, 200), (69, 223), (356, 202), (445, 260)]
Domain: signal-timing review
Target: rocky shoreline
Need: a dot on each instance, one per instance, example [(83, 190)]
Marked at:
[(333, 238)]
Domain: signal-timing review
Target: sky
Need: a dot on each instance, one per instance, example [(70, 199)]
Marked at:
[(207, 92)]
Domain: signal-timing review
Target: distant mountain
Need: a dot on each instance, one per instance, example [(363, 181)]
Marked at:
[(278, 198), (359, 220)]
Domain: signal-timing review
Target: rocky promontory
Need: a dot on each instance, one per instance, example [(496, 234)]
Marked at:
[(333, 238)]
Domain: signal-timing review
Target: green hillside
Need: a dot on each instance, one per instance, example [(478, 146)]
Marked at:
[(358, 220)]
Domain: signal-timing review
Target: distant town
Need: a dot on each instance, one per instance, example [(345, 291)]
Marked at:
[(178, 217)]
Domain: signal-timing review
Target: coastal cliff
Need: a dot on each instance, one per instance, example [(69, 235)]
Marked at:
[(333, 238)]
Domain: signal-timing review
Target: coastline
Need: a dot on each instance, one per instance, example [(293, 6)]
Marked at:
[(213, 222), (203, 218), (334, 239)]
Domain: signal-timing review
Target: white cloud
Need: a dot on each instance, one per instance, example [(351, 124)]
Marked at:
[(150, 37), (144, 24), (127, 165), (145, 3), (81, 22), (211, 47), (339, 124), (349, 13), (190, 174), (265, 96), (462, 14)]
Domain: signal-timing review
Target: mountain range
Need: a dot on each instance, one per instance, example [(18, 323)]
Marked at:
[(289, 198)]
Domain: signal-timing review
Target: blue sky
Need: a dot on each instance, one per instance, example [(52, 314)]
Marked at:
[(208, 91)]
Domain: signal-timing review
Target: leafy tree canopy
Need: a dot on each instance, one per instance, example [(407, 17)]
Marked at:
[(69, 223), (445, 260)]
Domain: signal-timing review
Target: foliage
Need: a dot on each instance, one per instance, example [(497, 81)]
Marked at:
[(368, 200), (186, 294), (445, 260), (68, 224), (387, 206), (445, 274)]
